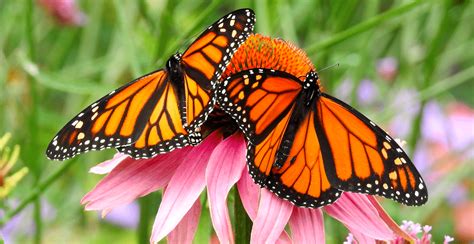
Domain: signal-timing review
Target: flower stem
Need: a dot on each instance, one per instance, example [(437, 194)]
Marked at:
[(38, 221), (362, 27), (243, 224), (447, 26), (147, 210), (33, 195), (33, 119)]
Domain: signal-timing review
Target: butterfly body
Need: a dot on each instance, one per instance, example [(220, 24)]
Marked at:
[(307, 146)]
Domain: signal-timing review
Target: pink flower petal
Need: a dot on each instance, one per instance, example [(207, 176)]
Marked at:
[(307, 225), (132, 179), (361, 238), (184, 188), (273, 214), (107, 166), (249, 193), (223, 171), (397, 230), (357, 212), (185, 230)]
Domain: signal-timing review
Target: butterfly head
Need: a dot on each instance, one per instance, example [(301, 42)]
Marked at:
[(173, 66), (311, 87)]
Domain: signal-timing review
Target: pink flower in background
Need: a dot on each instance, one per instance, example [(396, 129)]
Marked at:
[(387, 68), (65, 12), (419, 234), (218, 165), (447, 140)]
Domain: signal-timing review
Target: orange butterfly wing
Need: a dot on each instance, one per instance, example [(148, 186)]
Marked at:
[(114, 120), (302, 178), (149, 115), (206, 59), (307, 152), (364, 158), (262, 102), (163, 130)]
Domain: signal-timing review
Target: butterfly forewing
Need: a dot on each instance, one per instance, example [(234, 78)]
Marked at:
[(206, 59), (114, 120), (363, 157), (258, 99)]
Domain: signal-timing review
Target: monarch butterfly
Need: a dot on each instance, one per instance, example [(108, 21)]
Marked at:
[(163, 110), (307, 146)]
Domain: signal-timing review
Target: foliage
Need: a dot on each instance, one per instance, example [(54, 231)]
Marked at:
[(49, 71)]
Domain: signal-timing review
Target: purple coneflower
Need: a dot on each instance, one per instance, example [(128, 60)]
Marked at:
[(218, 164)]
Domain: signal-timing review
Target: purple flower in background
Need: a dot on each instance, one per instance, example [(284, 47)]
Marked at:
[(22, 224), (65, 12), (344, 89), (367, 92), (387, 68), (126, 216), (458, 194), (350, 239), (407, 104)]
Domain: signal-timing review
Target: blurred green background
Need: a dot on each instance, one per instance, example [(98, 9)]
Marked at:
[(406, 64)]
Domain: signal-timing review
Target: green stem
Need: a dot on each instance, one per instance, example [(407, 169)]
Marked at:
[(243, 224), (448, 25), (447, 84), (148, 19), (36, 192), (38, 221), (33, 118), (147, 210), (362, 27)]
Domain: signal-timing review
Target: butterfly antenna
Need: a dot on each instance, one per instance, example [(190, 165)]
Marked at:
[(328, 67)]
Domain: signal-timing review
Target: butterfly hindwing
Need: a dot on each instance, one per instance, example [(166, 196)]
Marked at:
[(301, 178), (363, 157), (163, 130), (206, 59), (116, 119)]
